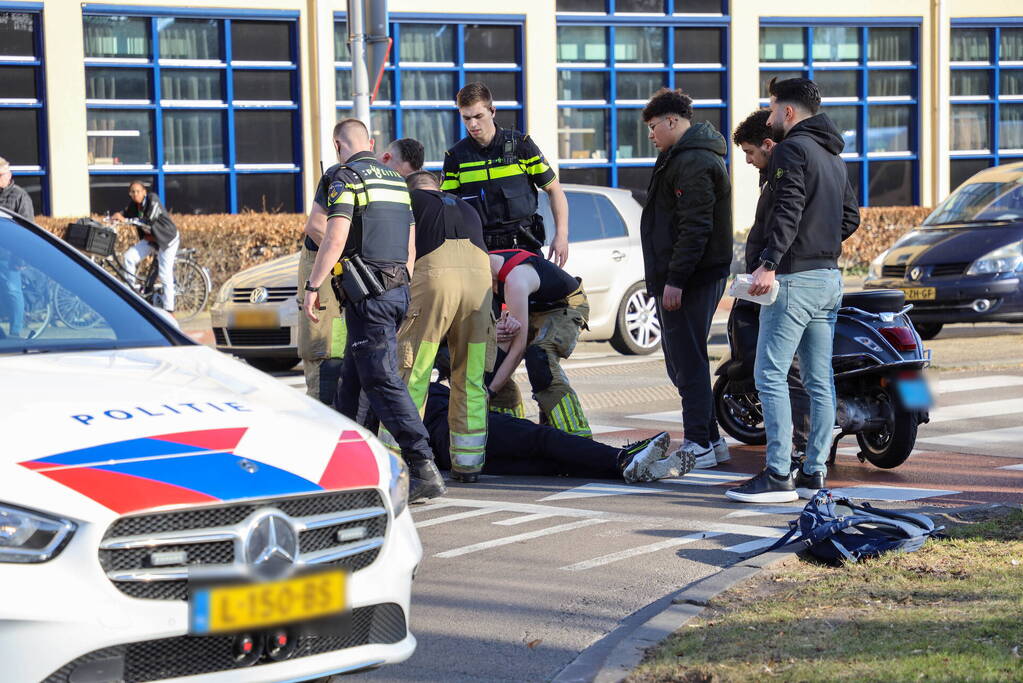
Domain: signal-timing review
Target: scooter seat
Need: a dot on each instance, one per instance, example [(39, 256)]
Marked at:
[(876, 300)]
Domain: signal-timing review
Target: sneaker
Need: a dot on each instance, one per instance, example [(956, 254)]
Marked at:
[(703, 455), (766, 487), (647, 460), (424, 481), (808, 484), (721, 453)]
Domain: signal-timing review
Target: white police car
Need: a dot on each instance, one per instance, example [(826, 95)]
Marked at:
[(167, 512)]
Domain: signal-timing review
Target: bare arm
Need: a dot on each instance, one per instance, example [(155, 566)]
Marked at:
[(316, 224), (411, 248), (517, 288), (331, 247), (558, 251)]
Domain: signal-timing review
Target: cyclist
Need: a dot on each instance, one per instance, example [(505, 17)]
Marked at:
[(158, 232)]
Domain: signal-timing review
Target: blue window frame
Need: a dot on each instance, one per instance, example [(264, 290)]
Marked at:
[(205, 106), (986, 105), (612, 56), (23, 99), (431, 58), (868, 73)]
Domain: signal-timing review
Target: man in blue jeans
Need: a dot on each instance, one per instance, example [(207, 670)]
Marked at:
[(813, 210)]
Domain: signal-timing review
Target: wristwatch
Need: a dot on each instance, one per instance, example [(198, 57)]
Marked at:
[(309, 287), (768, 265)]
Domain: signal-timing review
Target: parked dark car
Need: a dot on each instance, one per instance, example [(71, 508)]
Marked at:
[(965, 263)]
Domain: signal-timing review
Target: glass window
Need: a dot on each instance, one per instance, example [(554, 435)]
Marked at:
[(853, 171), (257, 137), (698, 45), (582, 44), (698, 6), (1010, 126), (643, 6), (491, 44), (192, 84), (109, 193), (119, 137), (261, 41), (644, 45), (971, 126), (585, 222), (117, 84), (1011, 48), (633, 136), (890, 45), (782, 44), (506, 118), (1011, 82), (971, 83), (837, 83), (193, 137), (435, 129), (19, 133), (381, 123), (964, 169), (891, 183), (196, 194), (889, 129), (586, 176), (612, 221), (890, 83), (107, 36), (341, 51), (18, 82), (266, 192), (582, 85), (700, 85), (262, 85), (636, 179), (428, 85), (766, 76), (581, 6), (638, 85), (971, 45), (836, 44), (504, 85), (713, 116), (427, 43), (846, 120), (582, 133), (17, 34), (189, 38)]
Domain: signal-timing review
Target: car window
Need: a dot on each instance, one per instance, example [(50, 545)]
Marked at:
[(51, 302), (975, 202), (584, 223), (612, 221)]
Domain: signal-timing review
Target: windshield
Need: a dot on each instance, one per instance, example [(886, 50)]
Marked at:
[(977, 202), (49, 302)]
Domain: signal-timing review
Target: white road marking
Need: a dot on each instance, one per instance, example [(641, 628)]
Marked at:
[(525, 519), (486, 545), (666, 416), (948, 386), (965, 411), (985, 438), (594, 490), (607, 429), (754, 545), (765, 510), (707, 478), (889, 493), (457, 516), (1012, 467)]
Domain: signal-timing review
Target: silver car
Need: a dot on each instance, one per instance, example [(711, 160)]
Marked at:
[(256, 313)]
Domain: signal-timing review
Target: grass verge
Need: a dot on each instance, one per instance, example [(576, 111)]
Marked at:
[(951, 611)]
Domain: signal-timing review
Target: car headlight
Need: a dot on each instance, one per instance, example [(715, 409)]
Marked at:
[(874, 272), (398, 485), (224, 293), (27, 537), (1006, 259)]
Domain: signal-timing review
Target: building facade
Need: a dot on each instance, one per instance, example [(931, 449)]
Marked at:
[(227, 105)]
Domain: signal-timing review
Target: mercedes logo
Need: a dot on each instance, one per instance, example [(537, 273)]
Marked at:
[(259, 295), (916, 273), (271, 548)]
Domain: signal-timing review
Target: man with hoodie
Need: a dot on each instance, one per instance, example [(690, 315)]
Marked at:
[(813, 210), (686, 231)]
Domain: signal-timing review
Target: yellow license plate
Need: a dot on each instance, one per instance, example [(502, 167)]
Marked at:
[(258, 605), (919, 293), (255, 319)]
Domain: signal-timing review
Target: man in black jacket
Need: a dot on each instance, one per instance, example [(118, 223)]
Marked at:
[(687, 250), (813, 209)]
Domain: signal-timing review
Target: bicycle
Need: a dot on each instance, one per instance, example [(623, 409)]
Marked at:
[(192, 285)]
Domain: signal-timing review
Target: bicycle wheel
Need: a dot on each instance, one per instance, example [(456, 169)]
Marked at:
[(72, 311), (192, 289), (38, 310)]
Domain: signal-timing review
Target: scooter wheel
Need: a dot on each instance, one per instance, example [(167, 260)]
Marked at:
[(739, 413), (891, 445)]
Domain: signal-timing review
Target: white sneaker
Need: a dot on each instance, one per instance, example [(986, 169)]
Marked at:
[(649, 460), (703, 455), (721, 453)]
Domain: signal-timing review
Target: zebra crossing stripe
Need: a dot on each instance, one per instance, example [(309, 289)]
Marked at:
[(982, 439), (457, 516), (529, 535)]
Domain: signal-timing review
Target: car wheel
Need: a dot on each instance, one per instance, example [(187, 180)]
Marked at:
[(272, 364), (928, 331), (637, 330)]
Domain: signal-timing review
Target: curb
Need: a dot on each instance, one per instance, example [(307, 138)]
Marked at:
[(612, 658)]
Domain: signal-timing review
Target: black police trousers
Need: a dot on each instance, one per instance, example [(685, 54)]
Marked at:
[(371, 366)]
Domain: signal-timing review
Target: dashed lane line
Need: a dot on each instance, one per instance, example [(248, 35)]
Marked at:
[(529, 535)]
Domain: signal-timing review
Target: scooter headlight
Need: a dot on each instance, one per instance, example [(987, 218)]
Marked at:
[(29, 537), (1006, 259), (874, 272), (398, 484)]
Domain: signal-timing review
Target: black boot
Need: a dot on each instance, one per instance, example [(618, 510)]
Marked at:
[(465, 477), (424, 481)]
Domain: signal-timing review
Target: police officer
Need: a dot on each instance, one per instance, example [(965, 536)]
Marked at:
[(369, 219), (451, 298), (498, 171)]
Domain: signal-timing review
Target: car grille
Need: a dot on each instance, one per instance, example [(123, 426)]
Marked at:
[(193, 655), (211, 539), (240, 295), (220, 336), (279, 337), (947, 269), (893, 271)]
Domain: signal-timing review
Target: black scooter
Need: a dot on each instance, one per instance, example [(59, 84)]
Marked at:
[(878, 360)]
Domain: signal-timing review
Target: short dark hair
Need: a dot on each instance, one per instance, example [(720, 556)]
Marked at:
[(474, 92), (411, 152), (753, 130), (664, 102), (349, 122), (141, 183), (801, 92), (422, 180)]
